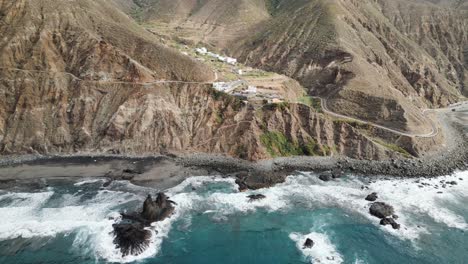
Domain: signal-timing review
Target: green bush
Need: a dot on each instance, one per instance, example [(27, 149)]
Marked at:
[(278, 144)]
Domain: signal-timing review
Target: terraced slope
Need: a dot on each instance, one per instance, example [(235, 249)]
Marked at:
[(213, 22)]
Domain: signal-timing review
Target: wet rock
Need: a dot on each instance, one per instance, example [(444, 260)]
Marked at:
[(158, 210), (452, 183), (309, 243), (390, 221), (242, 185), (131, 238), (381, 210), (255, 197), (372, 197), (337, 173), (395, 216), (107, 183), (326, 176)]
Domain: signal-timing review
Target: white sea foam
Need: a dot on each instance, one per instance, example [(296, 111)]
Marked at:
[(93, 218), (409, 200), (90, 181), (323, 250)]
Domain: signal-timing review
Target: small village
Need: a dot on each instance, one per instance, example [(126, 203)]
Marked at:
[(241, 81)]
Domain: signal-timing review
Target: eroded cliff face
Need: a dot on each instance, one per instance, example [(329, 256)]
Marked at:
[(56, 113), (92, 40), (81, 76), (356, 52)]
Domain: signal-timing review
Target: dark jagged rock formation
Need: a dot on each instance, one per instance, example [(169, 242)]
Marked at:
[(381, 210), (390, 221), (326, 176), (309, 243), (372, 197), (158, 210), (255, 197), (131, 237)]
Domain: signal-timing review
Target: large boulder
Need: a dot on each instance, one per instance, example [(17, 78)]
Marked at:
[(309, 243), (158, 210), (372, 197), (131, 238), (326, 176), (381, 210), (390, 221)]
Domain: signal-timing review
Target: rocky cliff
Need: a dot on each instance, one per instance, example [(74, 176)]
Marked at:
[(56, 113), (83, 76)]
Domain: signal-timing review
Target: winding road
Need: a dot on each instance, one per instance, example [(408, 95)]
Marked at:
[(434, 132)]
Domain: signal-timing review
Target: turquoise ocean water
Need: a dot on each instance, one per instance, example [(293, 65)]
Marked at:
[(71, 222)]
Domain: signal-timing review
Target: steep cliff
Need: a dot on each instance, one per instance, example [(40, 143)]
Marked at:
[(83, 76), (56, 113)]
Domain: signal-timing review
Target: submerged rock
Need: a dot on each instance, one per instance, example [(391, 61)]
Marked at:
[(372, 197), (390, 221), (242, 185), (255, 197), (337, 173), (326, 176), (131, 238), (381, 210), (309, 243)]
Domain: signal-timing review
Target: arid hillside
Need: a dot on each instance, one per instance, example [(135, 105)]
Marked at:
[(95, 76), (383, 61)]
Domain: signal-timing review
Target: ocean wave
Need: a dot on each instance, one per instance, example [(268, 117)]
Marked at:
[(323, 250)]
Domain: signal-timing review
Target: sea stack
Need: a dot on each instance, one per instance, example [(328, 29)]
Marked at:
[(131, 235)]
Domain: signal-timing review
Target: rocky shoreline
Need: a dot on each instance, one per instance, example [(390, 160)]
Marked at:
[(165, 171), (250, 175)]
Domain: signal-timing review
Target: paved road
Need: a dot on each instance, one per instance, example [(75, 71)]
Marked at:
[(113, 82), (434, 132)]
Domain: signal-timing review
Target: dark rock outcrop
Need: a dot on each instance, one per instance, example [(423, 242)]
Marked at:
[(309, 243), (158, 210), (255, 197), (131, 238), (381, 210), (390, 221), (372, 197), (326, 176)]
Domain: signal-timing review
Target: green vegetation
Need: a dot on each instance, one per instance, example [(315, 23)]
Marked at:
[(137, 14), (312, 148), (394, 147), (219, 117), (273, 106), (278, 145), (315, 103), (258, 74)]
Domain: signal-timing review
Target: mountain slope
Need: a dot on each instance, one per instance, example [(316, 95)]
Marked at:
[(92, 40), (353, 54), (81, 76)]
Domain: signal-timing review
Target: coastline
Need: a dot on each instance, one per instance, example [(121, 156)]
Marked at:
[(165, 171)]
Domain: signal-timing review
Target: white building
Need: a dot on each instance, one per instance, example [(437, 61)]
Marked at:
[(231, 61), (251, 89), (201, 51)]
